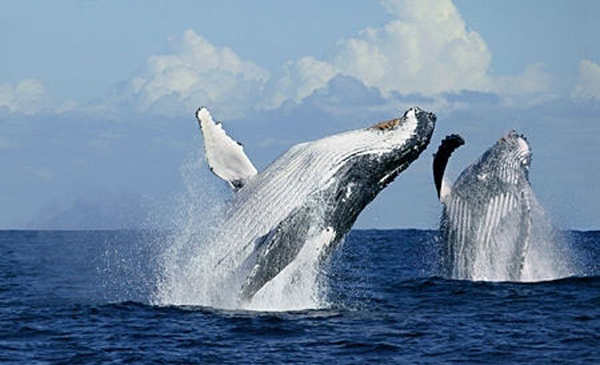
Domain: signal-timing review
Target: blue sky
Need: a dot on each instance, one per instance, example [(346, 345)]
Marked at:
[(97, 97)]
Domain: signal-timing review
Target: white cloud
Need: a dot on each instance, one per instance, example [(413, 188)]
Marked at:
[(197, 73), (23, 97), (533, 80), (588, 83), (532, 87), (427, 49), (298, 80)]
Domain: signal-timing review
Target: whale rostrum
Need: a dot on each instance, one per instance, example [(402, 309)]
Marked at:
[(313, 193)]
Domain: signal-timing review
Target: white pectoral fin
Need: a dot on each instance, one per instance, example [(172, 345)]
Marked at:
[(225, 156)]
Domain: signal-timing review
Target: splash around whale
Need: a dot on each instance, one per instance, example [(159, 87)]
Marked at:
[(282, 224)]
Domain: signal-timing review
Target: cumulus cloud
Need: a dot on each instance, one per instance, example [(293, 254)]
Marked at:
[(195, 72), (23, 98), (298, 80), (588, 83), (428, 49), (533, 80)]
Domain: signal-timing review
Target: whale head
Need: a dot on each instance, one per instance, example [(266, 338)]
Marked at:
[(515, 149), (506, 162), (367, 160), (513, 154), (401, 142)]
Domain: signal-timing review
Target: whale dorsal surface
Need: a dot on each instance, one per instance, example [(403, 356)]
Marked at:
[(225, 156)]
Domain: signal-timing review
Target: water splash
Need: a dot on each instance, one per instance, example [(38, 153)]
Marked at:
[(523, 246), (184, 277), (193, 271), (549, 257), (298, 286)]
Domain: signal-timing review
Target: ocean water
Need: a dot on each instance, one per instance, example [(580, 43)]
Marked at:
[(90, 297)]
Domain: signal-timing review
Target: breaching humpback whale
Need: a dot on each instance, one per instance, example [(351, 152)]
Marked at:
[(313, 193), (486, 221)]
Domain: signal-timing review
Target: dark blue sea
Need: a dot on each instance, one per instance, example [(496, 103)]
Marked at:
[(85, 297)]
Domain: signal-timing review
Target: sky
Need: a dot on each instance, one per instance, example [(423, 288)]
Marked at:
[(97, 98)]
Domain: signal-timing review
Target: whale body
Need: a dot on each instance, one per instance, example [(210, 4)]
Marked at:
[(308, 198), (486, 221)]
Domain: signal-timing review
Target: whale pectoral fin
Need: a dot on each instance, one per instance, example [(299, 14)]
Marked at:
[(276, 250), (440, 160), (225, 156)]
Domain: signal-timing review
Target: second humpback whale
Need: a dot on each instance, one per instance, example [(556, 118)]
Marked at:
[(487, 217), (307, 199)]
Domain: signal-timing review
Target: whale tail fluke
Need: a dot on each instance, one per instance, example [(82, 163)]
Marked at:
[(441, 157)]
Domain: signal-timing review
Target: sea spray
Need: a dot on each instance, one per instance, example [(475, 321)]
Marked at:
[(539, 254), (185, 277), (549, 256), (201, 265)]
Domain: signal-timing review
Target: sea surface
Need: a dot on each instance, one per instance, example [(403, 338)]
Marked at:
[(87, 297)]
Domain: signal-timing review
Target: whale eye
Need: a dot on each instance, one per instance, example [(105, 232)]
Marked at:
[(386, 125)]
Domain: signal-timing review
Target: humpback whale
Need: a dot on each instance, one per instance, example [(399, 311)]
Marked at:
[(486, 221), (310, 196)]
